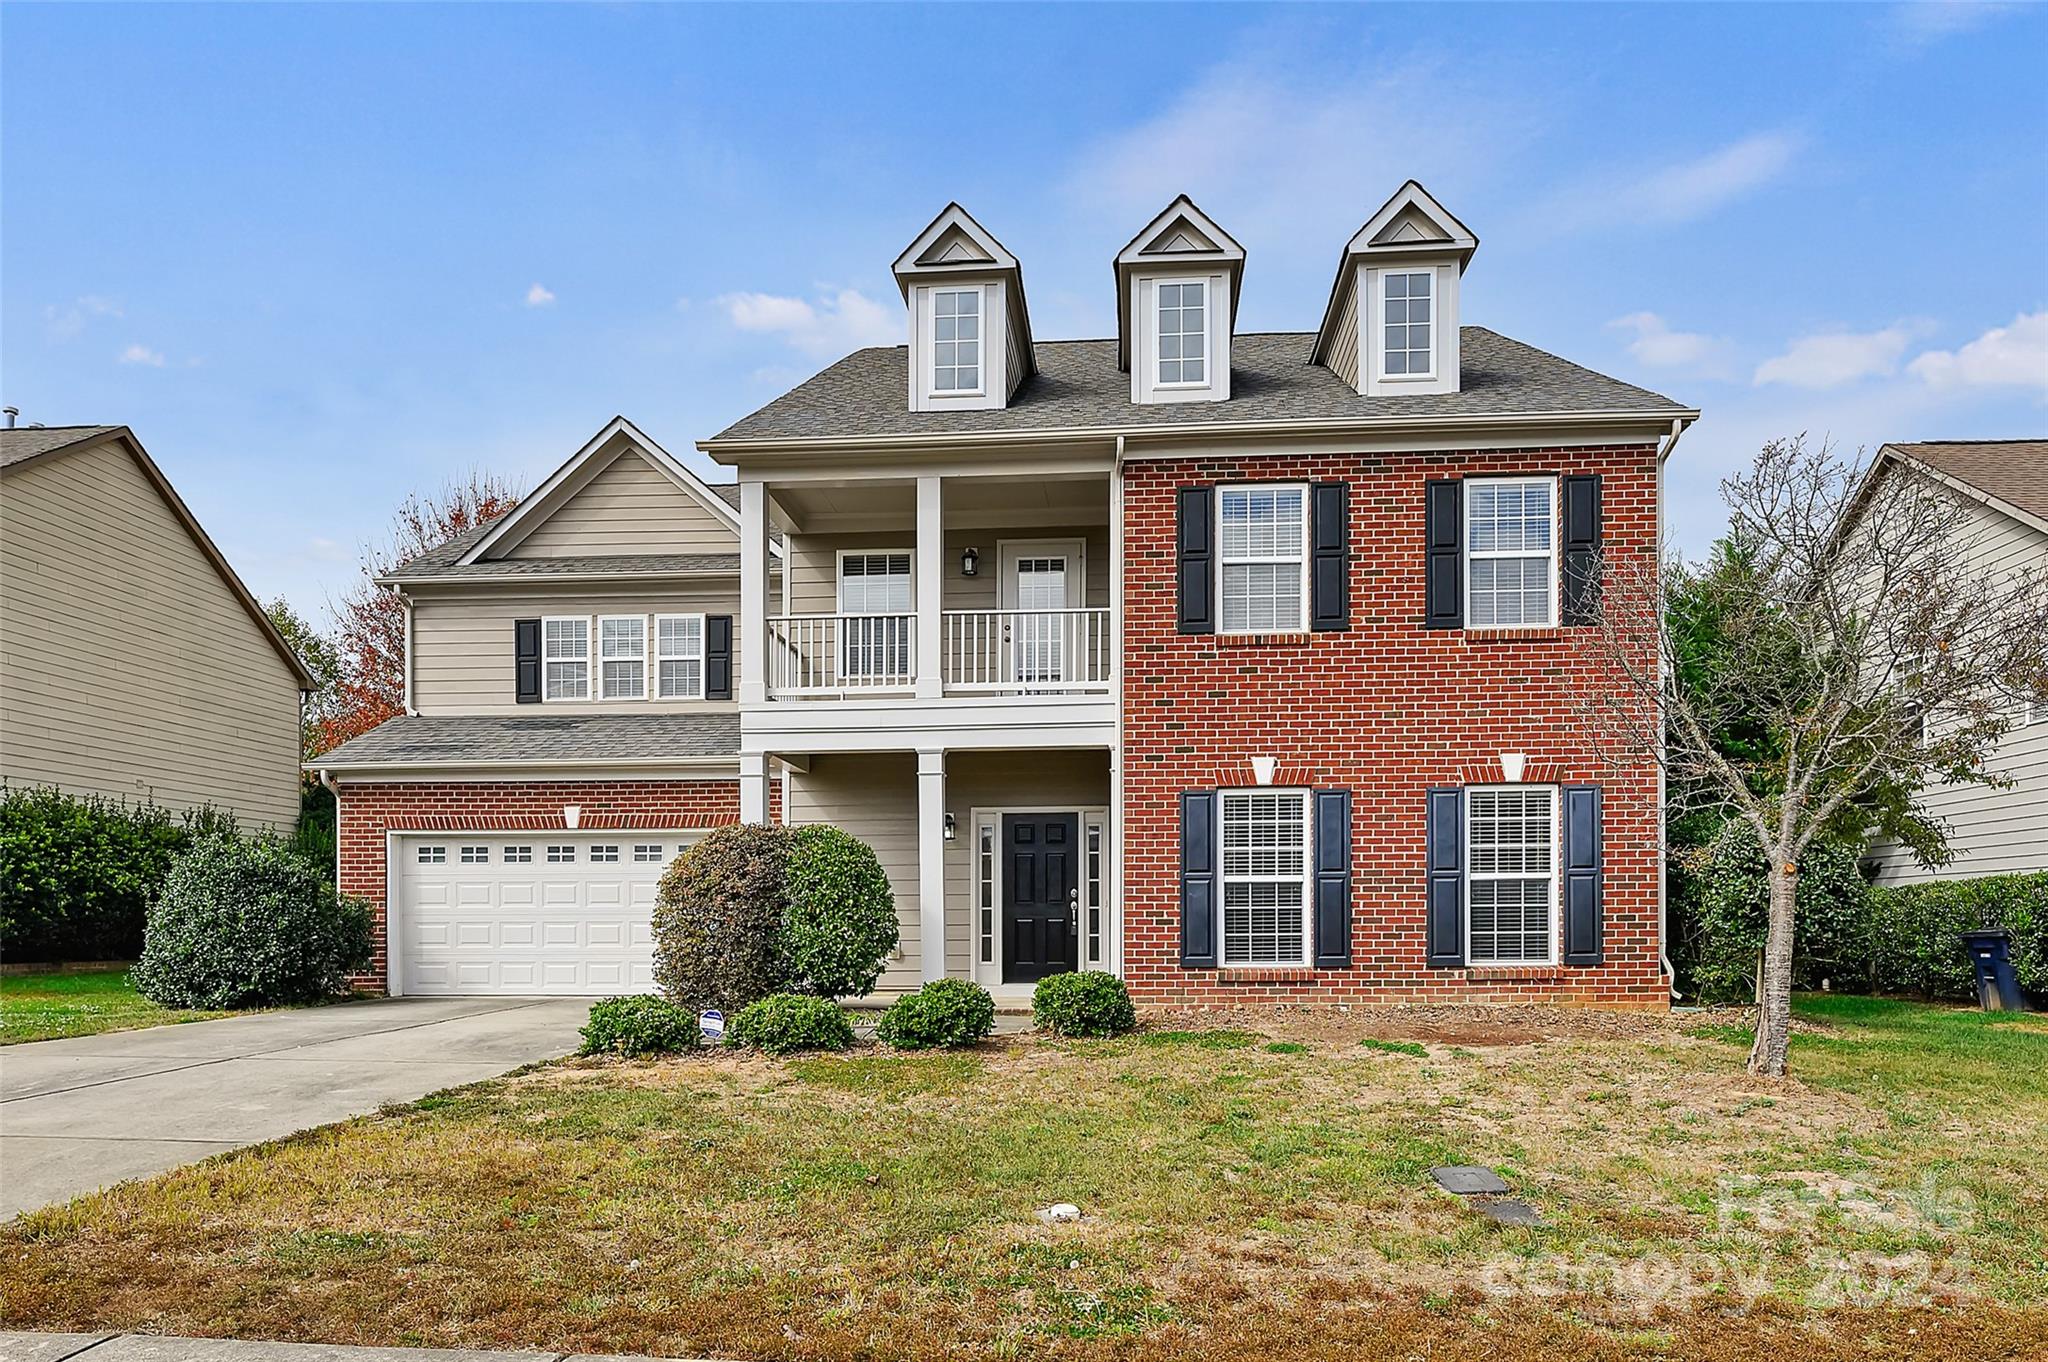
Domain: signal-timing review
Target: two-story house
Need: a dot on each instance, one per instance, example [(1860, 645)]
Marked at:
[(1242, 665)]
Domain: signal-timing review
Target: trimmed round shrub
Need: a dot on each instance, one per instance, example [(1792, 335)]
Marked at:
[(1088, 1003), (638, 1025), (785, 1023), (249, 922), (718, 920), (946, 1014), (840, 927)]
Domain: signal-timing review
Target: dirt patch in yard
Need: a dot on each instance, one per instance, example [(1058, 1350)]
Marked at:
[(1473, 1027)]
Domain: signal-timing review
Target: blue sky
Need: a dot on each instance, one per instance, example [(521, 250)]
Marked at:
[(321, 256)]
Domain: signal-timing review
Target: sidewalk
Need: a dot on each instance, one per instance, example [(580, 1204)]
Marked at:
[(159, 1348)]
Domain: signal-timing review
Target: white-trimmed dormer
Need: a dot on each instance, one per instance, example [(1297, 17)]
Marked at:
[(1391, 326), (1177, 284), (970, 334)]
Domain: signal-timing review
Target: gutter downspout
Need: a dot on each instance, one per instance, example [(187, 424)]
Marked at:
[(1664, 964), (406, 701), (1116, 662), (327, 779)]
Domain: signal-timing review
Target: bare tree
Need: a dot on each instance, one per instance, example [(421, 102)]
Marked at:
[(1861, 630)]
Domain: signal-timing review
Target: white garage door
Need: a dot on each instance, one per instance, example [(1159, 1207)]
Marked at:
[(543, 912)]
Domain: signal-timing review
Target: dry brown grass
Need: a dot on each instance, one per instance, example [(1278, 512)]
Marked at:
[(1240, 1202)]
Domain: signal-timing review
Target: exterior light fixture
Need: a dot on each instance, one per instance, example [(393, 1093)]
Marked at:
[(949, 817), (970, 561)]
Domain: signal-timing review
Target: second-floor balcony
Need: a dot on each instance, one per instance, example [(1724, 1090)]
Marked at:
[(1063, 651)]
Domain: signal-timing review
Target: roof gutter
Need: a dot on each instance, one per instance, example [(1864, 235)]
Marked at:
[(538, 578), (324, 768)]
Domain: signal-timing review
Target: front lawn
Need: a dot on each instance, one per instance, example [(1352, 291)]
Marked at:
[(1259, 1190), (52, 1004)]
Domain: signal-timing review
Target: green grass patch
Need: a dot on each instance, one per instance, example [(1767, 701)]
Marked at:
[(55, 1004), (1395, 1047), (1286, 1047), (1200, 1040)]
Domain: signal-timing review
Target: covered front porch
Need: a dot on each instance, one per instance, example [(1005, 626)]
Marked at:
[(1002, 862)]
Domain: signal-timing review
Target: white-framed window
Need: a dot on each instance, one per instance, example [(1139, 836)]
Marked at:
[(1510, 552), (476, 855), (565, 657), (519, 855), (679, 657), (604, 855), (644, 852), (985, 888), (1265, 877), (1511, 854), (2034, 712), (1263, 565), (1408, 322), (875, 601), (433, 855), (1183, 332), (561, 855), (622, 657), (1094, 831), (956, 340)]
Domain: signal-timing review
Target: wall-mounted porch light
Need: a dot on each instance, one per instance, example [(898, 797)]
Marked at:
[(970, 561), (949, 827)]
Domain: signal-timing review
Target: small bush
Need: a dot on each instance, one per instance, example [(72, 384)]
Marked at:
[(785, 1023), (77, 875), (946, 1014), (840, 925), (248, 922), (718, 920), (1089, 1003), (641, 1025), (1916, 933)]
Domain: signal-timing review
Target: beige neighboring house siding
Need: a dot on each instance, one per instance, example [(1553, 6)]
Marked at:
[(1992, 831), (462, 642), (630, 506), (813, 565), (128, 666)]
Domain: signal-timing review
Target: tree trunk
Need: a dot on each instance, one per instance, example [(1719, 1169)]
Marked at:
[(1774, 1006)]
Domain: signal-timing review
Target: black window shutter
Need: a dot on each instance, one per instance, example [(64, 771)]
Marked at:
[(1333, 879), (1584, 866), (1444, 571), (1195, 541), (526, 661), (1198, 879), (1444, 837), (718, 657), (1580, 543), (1330, 560)]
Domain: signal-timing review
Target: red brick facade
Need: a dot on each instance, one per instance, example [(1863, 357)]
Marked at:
[(1385, 709), (367, 811)]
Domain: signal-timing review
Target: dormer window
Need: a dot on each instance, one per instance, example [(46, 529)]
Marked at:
[(956, 340), (1409, 353), (1183, 332)]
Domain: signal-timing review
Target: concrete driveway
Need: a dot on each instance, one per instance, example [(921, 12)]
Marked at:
[(87, 1112)]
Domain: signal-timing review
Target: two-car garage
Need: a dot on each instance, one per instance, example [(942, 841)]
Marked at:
[(550, 912)]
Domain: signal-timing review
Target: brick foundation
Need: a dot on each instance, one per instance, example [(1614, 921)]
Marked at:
[(1385, 709)]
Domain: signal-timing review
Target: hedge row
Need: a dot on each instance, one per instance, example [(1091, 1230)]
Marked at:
[(1913, 930)]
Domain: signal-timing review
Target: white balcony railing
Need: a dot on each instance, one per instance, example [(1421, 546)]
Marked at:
[(1026, 650), (841, 654)]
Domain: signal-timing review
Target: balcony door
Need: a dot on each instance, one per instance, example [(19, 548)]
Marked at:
[(1043, 579)]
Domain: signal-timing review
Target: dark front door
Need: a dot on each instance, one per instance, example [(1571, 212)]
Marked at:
[(1039, 900)]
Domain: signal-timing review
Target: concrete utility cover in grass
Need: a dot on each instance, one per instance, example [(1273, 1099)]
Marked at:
[(1469, 1181), (1509, 1212)]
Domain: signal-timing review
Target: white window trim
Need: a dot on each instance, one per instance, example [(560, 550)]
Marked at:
[(931, 376), (1208, 364), (1556, 856), (655, 657), (589, 659), (1222, 561), (1308, 888), (1465, 549), (599, 659), (1380, 336), (839, 578)]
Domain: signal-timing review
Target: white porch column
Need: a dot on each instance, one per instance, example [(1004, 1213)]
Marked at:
[(931, 584), (753, 787), (931, 862), (752, 660)]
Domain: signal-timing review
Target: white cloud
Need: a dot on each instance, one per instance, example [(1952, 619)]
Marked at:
[(2004, 356), (1656, 344), (840, 321), (69, 321), (1676, 193), (1922, 23), (539, 296), (142, 354), (1834, 358)]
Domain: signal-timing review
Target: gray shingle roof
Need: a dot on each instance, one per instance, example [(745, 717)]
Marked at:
[(462, 740), (27, 442), (618, 564), (1078, 385), (2014, 471)]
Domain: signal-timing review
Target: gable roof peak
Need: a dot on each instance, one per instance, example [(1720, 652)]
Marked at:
[(1178, 234), (1413, 218), (953, 242)]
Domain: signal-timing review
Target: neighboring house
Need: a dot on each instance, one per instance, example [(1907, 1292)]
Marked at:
[(1243, 665), (1992, 830), (133, 662)]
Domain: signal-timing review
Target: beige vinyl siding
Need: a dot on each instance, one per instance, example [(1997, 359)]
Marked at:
[(629, 507), (1992, 831), (814, 564), (462, 643), (874, 797), (128, 666), (1343, 357)]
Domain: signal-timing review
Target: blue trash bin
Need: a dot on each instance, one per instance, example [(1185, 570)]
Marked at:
[(1998, 987)]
